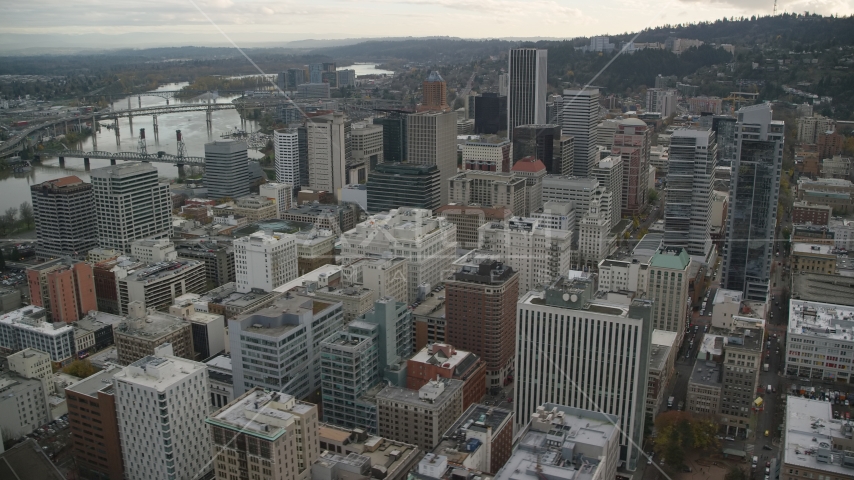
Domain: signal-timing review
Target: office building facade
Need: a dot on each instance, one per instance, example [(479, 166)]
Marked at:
[(326, 152), (691, 170), (394, 135), (431, 140), (65, 218), (490, 113), (264, 261), (546, 143), (393, 185), (632, 141), (226, 169), (581, 121), (64, 287), (286, 147), (526, 95), (435, 93)]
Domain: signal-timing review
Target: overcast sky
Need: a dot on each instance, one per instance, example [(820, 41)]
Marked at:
[(287, 20)]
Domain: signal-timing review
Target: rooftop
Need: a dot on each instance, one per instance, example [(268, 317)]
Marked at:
[(317, 275), (824, 320), (98, 382), (662, 343), (441, 354), (457, 445), (32, 318), (814, 249), (158, 373), (27, 461), (261, 413), (819, 286), (528, 164), (414, 397), (285, 314), (160, 270), (812, 438), (153, 325), (670, 257), (706, 373)]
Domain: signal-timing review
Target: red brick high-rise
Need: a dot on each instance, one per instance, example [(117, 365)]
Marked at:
[(435, 93), (443, 360), (480, 311), (632, 142)]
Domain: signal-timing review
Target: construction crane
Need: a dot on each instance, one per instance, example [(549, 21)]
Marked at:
[(775, 8)]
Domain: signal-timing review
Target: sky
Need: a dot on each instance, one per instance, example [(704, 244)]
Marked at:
[(190, 22)]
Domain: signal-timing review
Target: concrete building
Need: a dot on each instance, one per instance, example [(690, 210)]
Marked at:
[(23, 404), (327, 155), (393, 185), (366, 144), (426, 242), (533, 171), (420, 417), (92, 418), (704, 386), (131, 204), (282, 434), (63, 287), (394, 135), (469, 219), (704, 104), (313, 90), (208, 329), (157, 285), (659, 157), (480, 314), (661, 100), (481, 439), (690, 176), (428, 320), (355, 299), (491, 154), (252, 207), (218, 259), (349, 453), (286, 148), (443, 360), (27, 327), (430, 140), (609, 172), (662, 359), (752, 212), (556, 215), (226, 169), (595, 241), (153, 251), (836, 193), (171, 393), (64, 217), (668, 288), (526, 93), (581, 121), (220, 381), (489, 189), (811, 422), (299, 323), (143, 331), (819, 330), (809, 128), (562, 319), (274, 254), (578, 191), (589, 442), (813, 258), (539, 254), (385, 276), (632, 141), (281, 193), (314, 249)]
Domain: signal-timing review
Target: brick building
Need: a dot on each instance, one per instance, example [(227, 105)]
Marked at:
[(443, 360)]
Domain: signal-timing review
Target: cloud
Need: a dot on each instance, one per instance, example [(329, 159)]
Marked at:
[(766, 7)]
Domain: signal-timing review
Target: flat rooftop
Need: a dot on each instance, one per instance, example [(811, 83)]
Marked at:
[(811, 432), (431, 306), (440, 357), (812, 248), (158, 373), (834, 289), (154, 325), (265, 320), (261, 413), (707, 373), (32, 318), (823, 320), (660, 352), (99, 382), (405, 395), (312, 276), (161, 270)]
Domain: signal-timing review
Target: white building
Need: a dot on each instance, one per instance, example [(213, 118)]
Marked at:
[(595, 241), (556, 215), (492, 155), (430, 140), (609, 173), (286, 147), (691, 169), (819, 344), (23, 405), (579, 351), (366, 144), (326, 152), (659, 157), (810, 423), (661, 100), (538, 253), (161, 402), (526, 87), (575, 190), (130, 203), (581, 120), (26, 328), (264, 260), (281, 193), (152, 251), (427, 243), (157, 285)]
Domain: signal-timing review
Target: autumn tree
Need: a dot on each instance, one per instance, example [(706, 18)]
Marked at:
[(679, 432), (80, 368)]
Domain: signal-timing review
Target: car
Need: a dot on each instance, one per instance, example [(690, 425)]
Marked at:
[(729, 439)]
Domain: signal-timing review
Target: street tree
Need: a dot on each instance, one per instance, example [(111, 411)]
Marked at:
[(26, 211)]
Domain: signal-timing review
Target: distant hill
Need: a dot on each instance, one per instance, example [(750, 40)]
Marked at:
[(443, 50)]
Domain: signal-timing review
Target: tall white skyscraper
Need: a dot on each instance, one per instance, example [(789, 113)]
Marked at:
[(583, 352), (264, 260), (754, 191), (286, 146), (162, 402), (693, 156), (327, 152), (130, 204), (581, 121), (431, 139), (526, 92), (226, 169)]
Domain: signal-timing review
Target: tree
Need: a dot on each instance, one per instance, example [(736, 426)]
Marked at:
[(80, 368), (2, 260), (652, 195), (9, 218), (736, 473), (27, 214)]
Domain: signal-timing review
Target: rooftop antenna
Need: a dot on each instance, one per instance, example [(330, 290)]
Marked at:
[(775, 8)]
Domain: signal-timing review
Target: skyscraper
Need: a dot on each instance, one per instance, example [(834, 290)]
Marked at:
[(435, 93), (315, 73), (693, 155), (366, 144), (632, 141), (295, 76), (286, 147), (581, 121), (546, 143), (226, 169), (394, 135), (490, 113), (131, 204), (64, 216), (754, 191), (583, 352), (394, 185), (274, 255), (526, 96), (431, 139), (481, 314), (326, 152)]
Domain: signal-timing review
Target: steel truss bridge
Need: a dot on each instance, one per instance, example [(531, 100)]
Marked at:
[(159, 157)]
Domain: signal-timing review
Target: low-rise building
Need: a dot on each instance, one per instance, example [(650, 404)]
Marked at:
[(27, 328), (428, 320), (143, 331), (315, 248), (481, 439), (157, 285), (208, 329), (443, 360), (253, 207), (565, 443), (353, 453), (228, 302), (218, 258), (94, 332), (820, 287), (812, 258), (819, 341), (419, 417), (335, 218), (807, 213), (809, 426), (281, 437), (662, 360), (220, 380)]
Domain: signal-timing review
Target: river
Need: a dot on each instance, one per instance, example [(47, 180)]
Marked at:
[(15, 188), (369, 68)]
